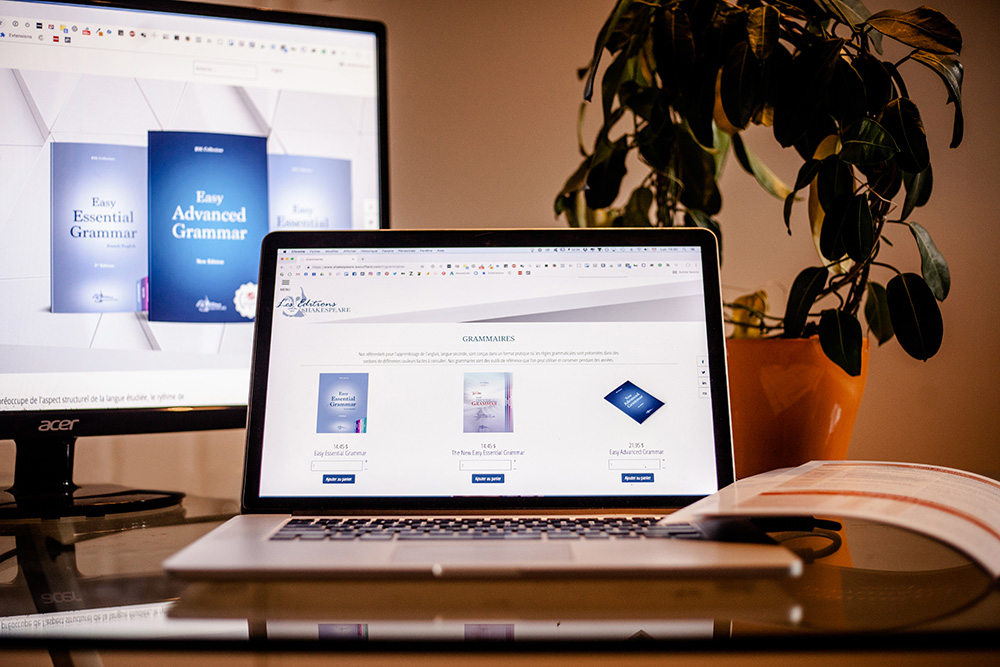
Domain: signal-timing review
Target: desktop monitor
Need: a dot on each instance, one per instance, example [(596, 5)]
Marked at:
[(145, 150)]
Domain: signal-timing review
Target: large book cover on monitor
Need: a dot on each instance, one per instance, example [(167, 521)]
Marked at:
[(488, 406), (343, 403), (207, 216), (308, 192), (98, 218)]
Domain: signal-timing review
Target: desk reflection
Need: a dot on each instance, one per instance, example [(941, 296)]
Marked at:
[(100, 580)]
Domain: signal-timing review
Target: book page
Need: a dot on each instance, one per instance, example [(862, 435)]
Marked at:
[(957, 507)]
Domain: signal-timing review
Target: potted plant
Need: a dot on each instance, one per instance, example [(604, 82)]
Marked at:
[(679, 82)]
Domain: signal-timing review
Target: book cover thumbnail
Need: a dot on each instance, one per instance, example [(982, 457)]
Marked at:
[(633, 401), (343, 403), (99, 230), (487, 405), (308, 192), (207, 216)]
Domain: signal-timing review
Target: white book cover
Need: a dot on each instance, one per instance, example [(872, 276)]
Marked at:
[(487, 406)]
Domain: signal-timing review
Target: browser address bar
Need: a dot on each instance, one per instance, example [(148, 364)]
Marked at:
[(359, 267)]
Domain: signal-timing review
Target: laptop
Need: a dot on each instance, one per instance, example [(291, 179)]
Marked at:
[(482, 403)]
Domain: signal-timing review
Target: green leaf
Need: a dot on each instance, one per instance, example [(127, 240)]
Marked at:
[(848, 95), (901, 119), (798, 107), (717, 27), (867, 142), (835, 223), (602, 41), (640, 100), (841, 338), (762, 30), (951, 72), (697, 104), (915, 316), (805, 290), (577, 180), (807, 172), (859, 229), (721, 143), (655, 140), (637, 208), (753, 166), (696, 170), (823, 126), (612, 79), (918, 190), (777, 70), (579, 129), (933, 267), (922, 28), (673, 47), (742, 85), (835, 180), (878, 83), (606, 174), (877, 312)]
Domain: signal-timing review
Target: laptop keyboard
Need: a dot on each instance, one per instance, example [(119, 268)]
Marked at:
[(479, 529)]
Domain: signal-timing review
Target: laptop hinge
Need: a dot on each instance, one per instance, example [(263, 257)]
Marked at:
[(634, 511)]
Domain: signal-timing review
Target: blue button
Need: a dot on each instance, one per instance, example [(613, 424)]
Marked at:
[(338, 479), (632, 477), (487, 479)]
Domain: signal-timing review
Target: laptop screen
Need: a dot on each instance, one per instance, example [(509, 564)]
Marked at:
[(579, 366)]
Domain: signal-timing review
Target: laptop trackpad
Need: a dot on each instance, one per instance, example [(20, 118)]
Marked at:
[(457, 553)]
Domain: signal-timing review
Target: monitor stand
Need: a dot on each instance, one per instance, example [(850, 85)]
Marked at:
[(43, 486)]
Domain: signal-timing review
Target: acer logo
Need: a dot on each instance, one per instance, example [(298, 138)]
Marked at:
[(60, 597), (57, 424)]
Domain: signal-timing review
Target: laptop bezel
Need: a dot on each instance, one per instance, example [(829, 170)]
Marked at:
[(253, 502)]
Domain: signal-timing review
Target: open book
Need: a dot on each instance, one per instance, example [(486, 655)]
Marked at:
[(959, 508)]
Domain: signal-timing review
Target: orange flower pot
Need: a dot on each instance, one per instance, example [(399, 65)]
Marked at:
[(790, 404)]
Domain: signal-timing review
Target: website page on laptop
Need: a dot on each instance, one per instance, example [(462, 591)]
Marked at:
[(481, 372)]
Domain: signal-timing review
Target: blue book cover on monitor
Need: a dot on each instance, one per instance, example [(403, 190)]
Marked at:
[(343, 403), (488, 403), (308, 192), (98, 218), (633, 401), (207, 216)]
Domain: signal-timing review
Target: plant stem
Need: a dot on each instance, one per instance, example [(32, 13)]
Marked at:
[(854, 297)]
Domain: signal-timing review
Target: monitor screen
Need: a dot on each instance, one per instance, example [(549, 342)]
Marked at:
[(145, 150)]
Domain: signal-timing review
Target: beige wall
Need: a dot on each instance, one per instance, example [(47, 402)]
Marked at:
[(483, 104)]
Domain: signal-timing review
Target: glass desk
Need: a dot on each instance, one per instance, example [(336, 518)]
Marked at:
[(87, 586)]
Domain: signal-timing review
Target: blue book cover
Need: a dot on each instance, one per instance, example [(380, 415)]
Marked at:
[(343, 403), (308, 192), (633, 401), (207, 216), (488, 403), (99, 230)]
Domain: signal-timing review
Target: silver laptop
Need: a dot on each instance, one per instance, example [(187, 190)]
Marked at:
[(482, 403)]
